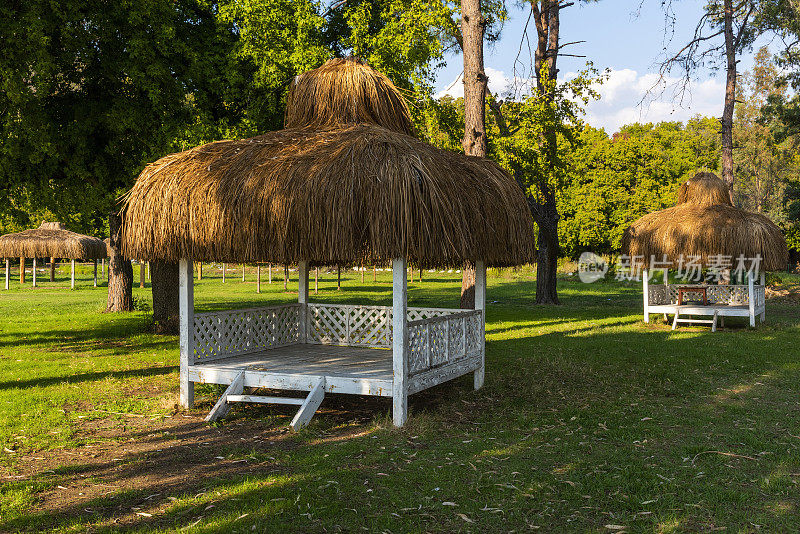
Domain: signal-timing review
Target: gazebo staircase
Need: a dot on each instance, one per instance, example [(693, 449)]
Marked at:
[(234, 393)]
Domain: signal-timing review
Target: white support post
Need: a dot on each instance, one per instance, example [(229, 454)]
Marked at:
[(223, 272), (103, 267), (258, 278), (646, 291), (751, 294), (8, 272), (302, 297), (399, 342), (34, 272), (480, 304), (243, 268), (763, 303), (95, 272), (186, 306), (72, 274)]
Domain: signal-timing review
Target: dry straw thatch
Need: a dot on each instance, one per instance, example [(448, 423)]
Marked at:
[(346, 91), (704, 189), (51, 240), (339, 195), (694, 227)]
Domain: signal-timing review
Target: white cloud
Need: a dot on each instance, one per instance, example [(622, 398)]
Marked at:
[(624, 98)]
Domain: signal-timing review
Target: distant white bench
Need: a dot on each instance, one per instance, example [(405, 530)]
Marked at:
[(727, 300)]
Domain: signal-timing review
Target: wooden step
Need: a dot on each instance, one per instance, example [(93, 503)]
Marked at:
[(234, 393), (700, 321), (266, 400)]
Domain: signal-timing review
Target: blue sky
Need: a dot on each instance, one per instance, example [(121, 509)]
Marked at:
[(625, 36)]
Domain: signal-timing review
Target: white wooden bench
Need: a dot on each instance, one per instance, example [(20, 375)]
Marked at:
[(724, 300)]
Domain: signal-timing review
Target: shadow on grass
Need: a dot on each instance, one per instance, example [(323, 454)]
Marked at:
[(85, 378)]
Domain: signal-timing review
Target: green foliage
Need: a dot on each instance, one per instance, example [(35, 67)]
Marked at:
[(91, 91), (613, 181)]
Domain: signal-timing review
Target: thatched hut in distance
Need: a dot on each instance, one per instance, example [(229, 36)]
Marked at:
[(50, 240), (704, 228), (326, 196)]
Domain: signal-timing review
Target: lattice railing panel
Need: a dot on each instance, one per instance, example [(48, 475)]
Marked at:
[(657, 295), (448, 338), (732, 295), (233, 332), (345, 324), (415, 314)]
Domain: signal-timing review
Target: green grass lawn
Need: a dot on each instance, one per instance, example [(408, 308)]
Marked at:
[(590, 420)]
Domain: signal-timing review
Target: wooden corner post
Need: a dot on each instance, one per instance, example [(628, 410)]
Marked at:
[(186, 305), (646, 297), (480, 304), (95, 272), (302, 298), (399, 342), (751, 298)]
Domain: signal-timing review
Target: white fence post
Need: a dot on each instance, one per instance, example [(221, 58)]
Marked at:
[(480, 304), (302, 298), (186, 305), (751, 294), (95, 272), (8, 272), (72, 275), (646, 290), (399, 342), (34, 272)]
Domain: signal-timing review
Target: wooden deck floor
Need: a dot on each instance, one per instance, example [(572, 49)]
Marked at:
[(317, 360)]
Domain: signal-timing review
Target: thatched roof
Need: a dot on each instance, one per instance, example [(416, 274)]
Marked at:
[(346, 91), (698, 227), (328, 196), (704, 189), (51, 240)]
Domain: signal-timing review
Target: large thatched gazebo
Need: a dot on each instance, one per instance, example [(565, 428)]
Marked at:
[(344, 190), (50, 240), (706, 229)]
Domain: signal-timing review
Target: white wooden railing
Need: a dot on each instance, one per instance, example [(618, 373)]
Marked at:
[(731, 295), (234, 332), (436, 336), (444, 339), (359, 326)]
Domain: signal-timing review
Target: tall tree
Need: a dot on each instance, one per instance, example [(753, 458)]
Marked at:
[(473, 26), (723, 32), (547, 18)]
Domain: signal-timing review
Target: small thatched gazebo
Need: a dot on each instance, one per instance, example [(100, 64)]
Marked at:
[(705, 228), (336, 193), (50, 240)]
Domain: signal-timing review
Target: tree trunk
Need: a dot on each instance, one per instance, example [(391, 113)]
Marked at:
[(164, 285), (141, 275), (120, 271), (473, 26), (544, 210), (22, 270), (547, 261), (730, 98)]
